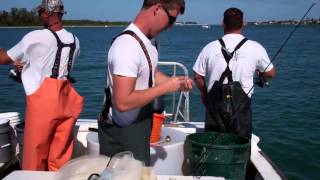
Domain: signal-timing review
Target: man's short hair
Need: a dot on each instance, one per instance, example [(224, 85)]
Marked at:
[(233, 19), (168, 4)]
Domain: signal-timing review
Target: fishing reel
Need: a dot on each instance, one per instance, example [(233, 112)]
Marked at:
[(262, 82), (15, 74)]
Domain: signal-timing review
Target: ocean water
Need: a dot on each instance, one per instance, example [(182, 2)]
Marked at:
[(286, 115)]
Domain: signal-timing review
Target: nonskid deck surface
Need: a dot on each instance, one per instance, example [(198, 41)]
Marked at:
[(36, 175), (261, 164), (164, 168)]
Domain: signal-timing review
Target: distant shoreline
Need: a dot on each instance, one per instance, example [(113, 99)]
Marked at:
[(23, 18), (111, 26), (67, 26)]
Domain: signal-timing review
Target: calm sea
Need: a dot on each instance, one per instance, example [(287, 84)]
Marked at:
[(286, 116)]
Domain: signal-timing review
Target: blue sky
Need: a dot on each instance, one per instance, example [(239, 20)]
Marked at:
[(202, 11)]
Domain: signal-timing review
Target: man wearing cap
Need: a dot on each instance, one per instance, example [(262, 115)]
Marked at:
[(134, 81), (53, 105), (230, 64)]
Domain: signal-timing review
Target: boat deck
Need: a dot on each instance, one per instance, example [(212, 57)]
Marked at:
[(36, 175)]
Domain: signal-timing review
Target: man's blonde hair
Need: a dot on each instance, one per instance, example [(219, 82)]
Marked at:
[(168, 4)]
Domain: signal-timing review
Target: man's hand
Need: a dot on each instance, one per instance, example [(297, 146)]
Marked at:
[(187, 84), (261, 80), (178, 83), (18, 65)]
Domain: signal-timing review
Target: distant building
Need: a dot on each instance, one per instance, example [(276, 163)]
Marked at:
[(285, 22)]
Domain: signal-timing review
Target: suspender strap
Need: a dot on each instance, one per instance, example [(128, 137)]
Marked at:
[(56, 65), (228, 56), (131, 33), (237, 47), (61, 45), (222, 43), (71, 55)]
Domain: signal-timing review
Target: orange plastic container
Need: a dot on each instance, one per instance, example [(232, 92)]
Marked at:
[(158, 120)]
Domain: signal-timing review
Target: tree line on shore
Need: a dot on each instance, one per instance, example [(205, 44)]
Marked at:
[(23, 17)]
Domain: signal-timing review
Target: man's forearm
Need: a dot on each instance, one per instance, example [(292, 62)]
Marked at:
[(160, 77), (127, 98), (4, 58), (201, 84), (140, 98)]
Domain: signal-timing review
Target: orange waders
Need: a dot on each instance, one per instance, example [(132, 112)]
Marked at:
[(50, 118)]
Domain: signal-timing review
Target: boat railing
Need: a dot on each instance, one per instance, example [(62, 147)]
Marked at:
[(180, 100)]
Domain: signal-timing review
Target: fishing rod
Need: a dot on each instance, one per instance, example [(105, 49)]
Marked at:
[(261, 78), (199, 168)]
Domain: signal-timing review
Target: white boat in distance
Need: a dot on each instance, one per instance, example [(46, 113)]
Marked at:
[(167, 157), (205, 26)]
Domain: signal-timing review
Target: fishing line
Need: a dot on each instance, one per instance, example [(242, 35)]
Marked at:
[(278, 52), (283, 44), (199, 166)]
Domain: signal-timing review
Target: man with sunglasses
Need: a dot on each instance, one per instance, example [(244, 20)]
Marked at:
[(134, 81), (53, 105)]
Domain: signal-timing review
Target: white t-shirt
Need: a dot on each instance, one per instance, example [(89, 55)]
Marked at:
[(249, 58), (126, 58), (37, 51)]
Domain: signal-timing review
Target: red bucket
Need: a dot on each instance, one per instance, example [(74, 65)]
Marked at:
[(158, 120)]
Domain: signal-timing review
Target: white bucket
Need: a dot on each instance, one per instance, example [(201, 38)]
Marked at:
[(13, 117), (5, 144), (19, 140), (93, 144)]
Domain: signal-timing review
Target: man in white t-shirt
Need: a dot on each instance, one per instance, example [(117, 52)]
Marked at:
[(230, 64), (53, 105), (134, 81)]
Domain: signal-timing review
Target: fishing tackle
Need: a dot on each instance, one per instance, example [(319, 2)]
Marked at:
[(261, 81), (15, 74)]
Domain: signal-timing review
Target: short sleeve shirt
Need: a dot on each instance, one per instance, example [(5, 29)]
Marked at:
[(37, 51), (249, 58), (126, 58)]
